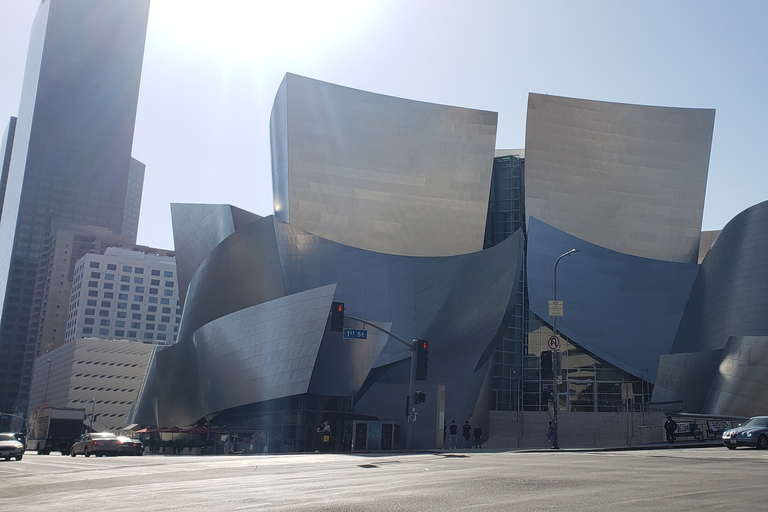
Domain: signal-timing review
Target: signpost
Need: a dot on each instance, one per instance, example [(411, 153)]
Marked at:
[(553, 343), (355, 334)]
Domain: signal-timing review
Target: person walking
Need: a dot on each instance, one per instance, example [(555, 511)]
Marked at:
[(551, 435), (670, 426), (466, 431), (453, 431), (478, 433)]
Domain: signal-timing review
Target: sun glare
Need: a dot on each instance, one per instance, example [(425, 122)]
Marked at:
[(256, 29)]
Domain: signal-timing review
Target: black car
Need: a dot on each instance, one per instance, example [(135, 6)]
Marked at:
[(753, 432), (130, 446)]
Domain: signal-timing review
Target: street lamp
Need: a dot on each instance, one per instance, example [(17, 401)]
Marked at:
[(555, 369), (93, 409), (47, 380)]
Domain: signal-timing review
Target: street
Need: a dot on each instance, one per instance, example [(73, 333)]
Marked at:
[(659, 479)]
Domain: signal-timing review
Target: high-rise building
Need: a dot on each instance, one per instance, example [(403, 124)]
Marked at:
[(70, 155), (124, 294)]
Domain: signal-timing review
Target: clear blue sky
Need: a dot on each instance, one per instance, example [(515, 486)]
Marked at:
[(211, 70)]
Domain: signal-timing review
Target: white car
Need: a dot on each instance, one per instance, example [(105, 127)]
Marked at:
[(10, 447)]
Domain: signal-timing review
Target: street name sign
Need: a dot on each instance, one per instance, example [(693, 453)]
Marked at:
[(355, 334)]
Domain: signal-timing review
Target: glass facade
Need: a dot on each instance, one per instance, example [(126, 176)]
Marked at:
[(587, 384)]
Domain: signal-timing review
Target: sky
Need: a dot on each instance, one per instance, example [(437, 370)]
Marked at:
[(212, 69)]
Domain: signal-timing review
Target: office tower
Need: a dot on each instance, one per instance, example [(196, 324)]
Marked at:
[(71, 154)]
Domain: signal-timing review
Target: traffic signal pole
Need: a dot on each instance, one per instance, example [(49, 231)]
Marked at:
[(412, 346)]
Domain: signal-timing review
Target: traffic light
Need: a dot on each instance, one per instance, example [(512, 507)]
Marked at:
[(546, 365), (422, 358), (337, 316), (420, 397)]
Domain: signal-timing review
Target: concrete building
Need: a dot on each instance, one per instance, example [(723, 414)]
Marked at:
[(101, 376), (70, 155), (124, 294)]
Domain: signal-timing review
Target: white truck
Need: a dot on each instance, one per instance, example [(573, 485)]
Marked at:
[(54, 429)]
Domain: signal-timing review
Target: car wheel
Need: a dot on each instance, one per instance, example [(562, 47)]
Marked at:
[(72, 453), (8, 458), (762, 442), (730, 447), (85, 452), (18, 457)]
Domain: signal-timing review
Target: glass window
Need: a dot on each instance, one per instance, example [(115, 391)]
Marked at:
[(119, 333), (136, 316), (122, 305), (153, 291), (135, 325), (168, 320), (119, 323), (93, 293), (168, 293), (138, 280), (109, 277), (90, 302), (167, 311), (122, 296), (131, 334), (162, 327), (111, 266), (107, 286), (94, 264), (95, 275), (165, 301), (125, 279), (138, 298), (138, 289), (167, 273), (153, 300), (155, 272), (106, 303), (150, 327), (90, 311), (149, 335), (88, 321), (136, 307), (125, 288), (103, 312), (154, 282), (152, 309), (161, 336), (87, 330), (169, 284), (93, 284), (121, 314), (151, 318), (104, 322), (138, 270), (108, 295), (126, 268)]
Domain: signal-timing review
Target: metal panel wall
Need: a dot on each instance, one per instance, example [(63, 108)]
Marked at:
[(621, 308), (630, 178), (381, 173)]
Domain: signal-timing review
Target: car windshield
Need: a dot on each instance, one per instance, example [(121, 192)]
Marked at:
[(756, 422), (105, 435), (7, 437)]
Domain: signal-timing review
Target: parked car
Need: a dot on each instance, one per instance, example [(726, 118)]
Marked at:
[(130, 446), (96, 443), (10, 447), (753, 432)]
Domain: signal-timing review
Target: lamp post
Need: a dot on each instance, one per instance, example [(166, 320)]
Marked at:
[(47, 380), (93, 409), (555, 368)]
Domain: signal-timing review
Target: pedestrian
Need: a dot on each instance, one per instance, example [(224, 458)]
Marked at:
[(466, 431), (445, 432), (696, 430), (551, 435), (262, 443), (670, 426), (453, 432), (324, 436), (478, 433)]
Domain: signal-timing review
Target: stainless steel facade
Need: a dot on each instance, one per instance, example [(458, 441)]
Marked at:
[(381, 173), (254, 326), (630, 178), (718, 361)]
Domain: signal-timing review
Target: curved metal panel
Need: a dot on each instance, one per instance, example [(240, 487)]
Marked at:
[(197, 229), (623, 309), (729, 297), (381, 173), (740, 385), (241, 271), (630, 178)]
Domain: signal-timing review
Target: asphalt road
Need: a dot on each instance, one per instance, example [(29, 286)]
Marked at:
[(663, 479)]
